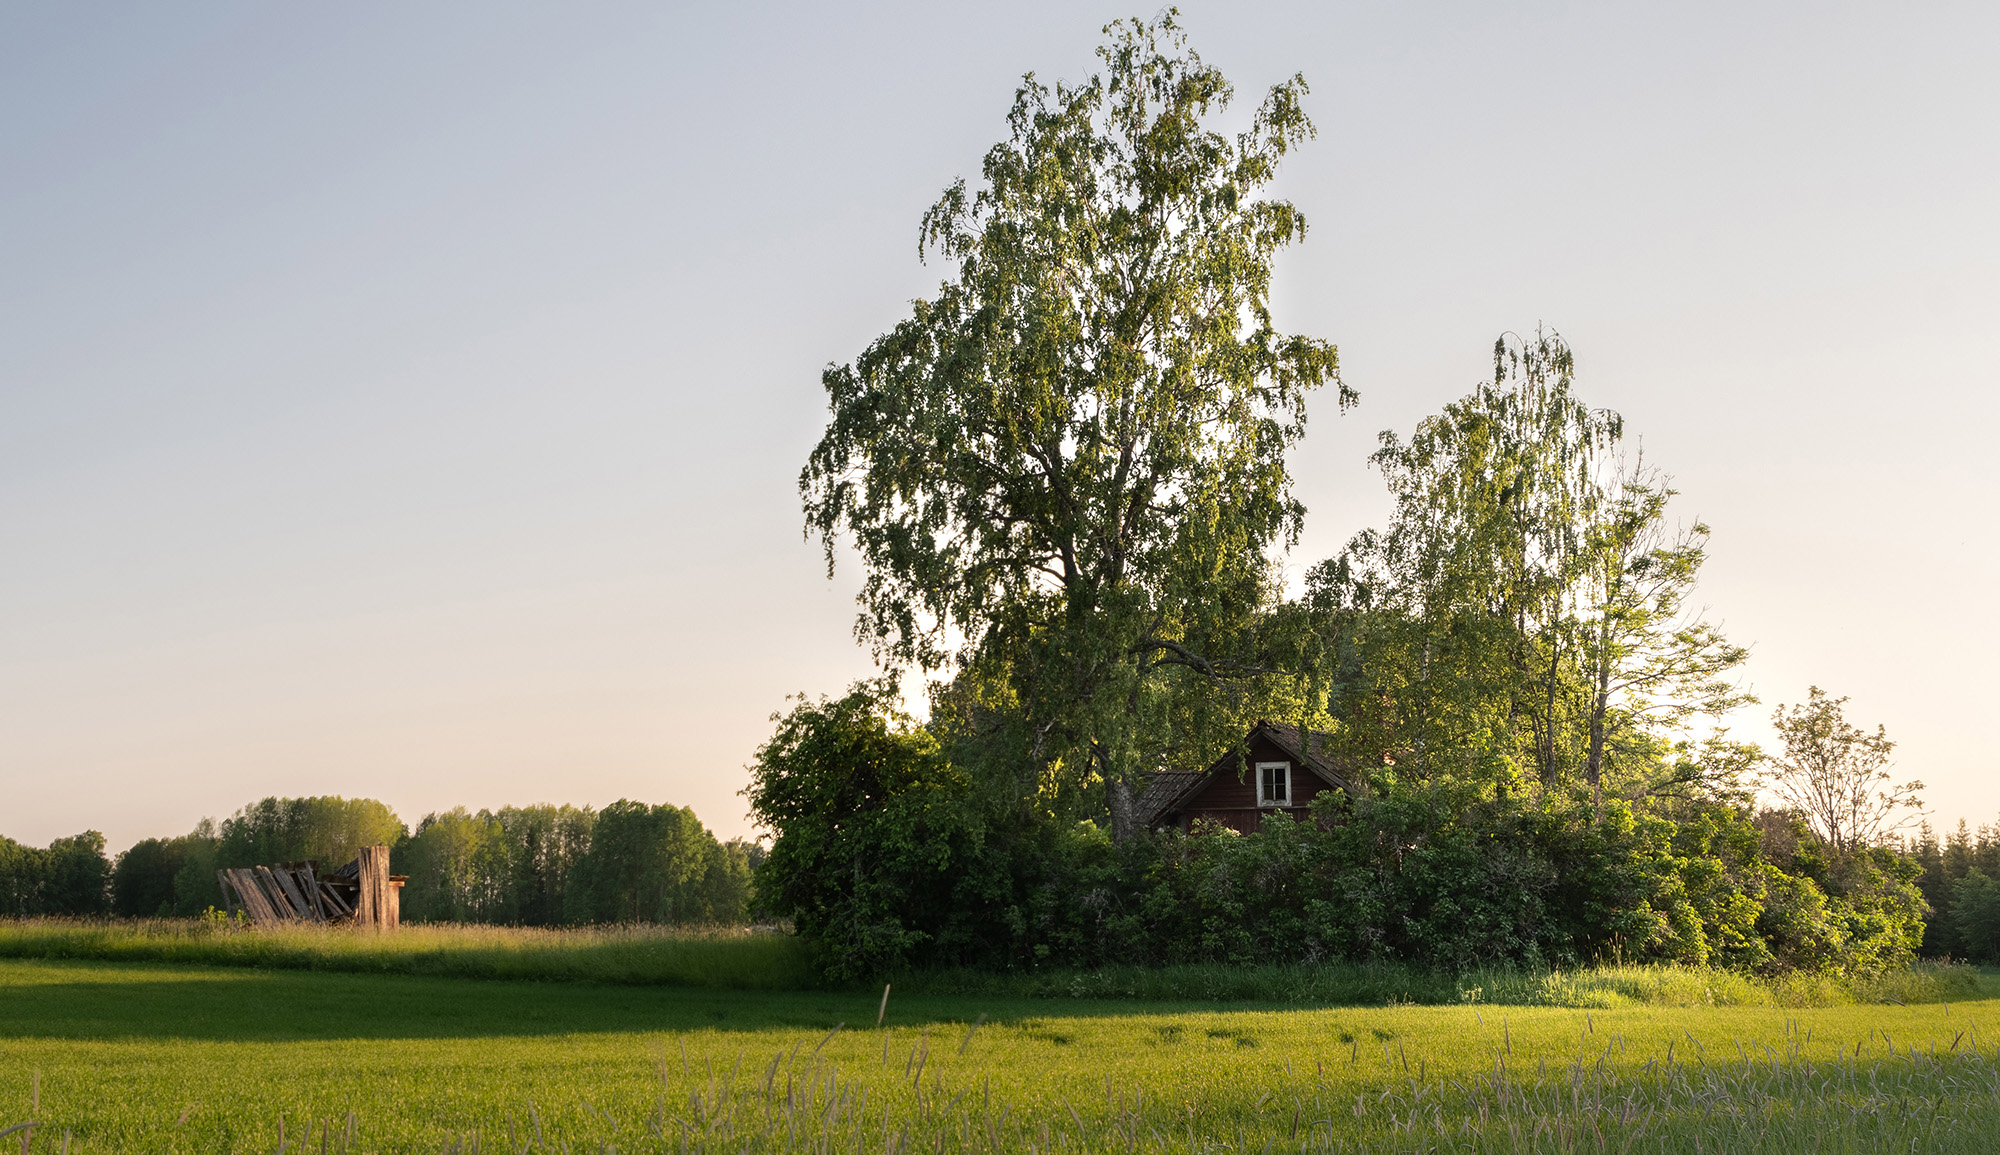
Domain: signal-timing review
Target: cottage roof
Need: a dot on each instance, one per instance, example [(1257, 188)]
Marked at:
[(1311, 753), (1166, 789), (1170, 789)]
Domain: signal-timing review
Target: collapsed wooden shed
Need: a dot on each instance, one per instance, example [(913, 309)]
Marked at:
[(362, 893)]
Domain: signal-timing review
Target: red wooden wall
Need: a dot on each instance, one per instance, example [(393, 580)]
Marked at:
[(1232, 800)]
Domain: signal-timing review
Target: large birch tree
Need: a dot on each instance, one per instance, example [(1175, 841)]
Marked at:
[(1069, 464)]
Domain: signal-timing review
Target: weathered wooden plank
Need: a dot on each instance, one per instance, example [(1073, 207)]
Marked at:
[(234, 886), (275, 891), (308, 886), (374, 909), (274, 899), (274, 895), (335, 905), (366, 897), (308, 882), (302, 905), (255, 902), (301, 892)]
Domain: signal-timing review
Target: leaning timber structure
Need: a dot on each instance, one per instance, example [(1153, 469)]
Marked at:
[(362, 893)]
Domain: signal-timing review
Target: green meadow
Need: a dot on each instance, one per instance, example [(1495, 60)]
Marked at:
[(743, 959), (175, 1057)]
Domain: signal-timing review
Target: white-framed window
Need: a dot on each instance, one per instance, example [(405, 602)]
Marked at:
[(1274, 783)]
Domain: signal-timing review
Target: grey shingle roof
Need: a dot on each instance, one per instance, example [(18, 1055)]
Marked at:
[(1165, 790)]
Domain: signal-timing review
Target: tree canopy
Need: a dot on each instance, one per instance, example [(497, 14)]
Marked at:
[(1069, 464), (1525, 615), (1836, 774)]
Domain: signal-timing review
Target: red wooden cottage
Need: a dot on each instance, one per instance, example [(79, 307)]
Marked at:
[(1275, 772)]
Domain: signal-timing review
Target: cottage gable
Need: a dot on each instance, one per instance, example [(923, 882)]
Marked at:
[(1280, 771)]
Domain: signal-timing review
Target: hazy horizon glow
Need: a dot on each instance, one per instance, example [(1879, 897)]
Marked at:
[(408, 404)]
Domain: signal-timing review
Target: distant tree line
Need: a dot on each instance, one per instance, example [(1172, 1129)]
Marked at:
[(1961, 882), (70, 876), (555, 865), (528, 866)]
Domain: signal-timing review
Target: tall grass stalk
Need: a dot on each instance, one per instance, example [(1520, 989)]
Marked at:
[(1376, 984), (716, 959), (743, 959)]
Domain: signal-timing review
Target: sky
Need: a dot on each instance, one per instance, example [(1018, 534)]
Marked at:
[(408, 401)]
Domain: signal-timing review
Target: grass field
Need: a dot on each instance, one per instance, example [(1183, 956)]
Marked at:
[(157, 1057), (726, 959), (746, 960)]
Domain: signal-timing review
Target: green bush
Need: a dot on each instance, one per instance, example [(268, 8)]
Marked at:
[(881, 861)]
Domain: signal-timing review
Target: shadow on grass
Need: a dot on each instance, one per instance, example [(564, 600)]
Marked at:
[(70, 999)]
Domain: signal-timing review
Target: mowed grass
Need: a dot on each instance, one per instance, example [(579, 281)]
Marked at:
[(174, 1058)]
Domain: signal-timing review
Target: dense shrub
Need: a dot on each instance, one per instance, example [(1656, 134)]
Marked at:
[(1435, 879), (889, 856), (881, 837)]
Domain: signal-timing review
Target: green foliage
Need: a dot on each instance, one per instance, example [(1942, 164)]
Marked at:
[(167, 876), (529, 865), (887, 858), (71, 876), (196, 888), (142, 881), (20, 877), (551, 865), (1525, 616), (329, 829), (1880, 907), (659, 864), (1835, 775), (78, 878), (1945, 865), (1065, 475), (457, 865), (1073, 457), (1977, 899), (544, 844), (1512, 671), (1433, 878), (877, 840)]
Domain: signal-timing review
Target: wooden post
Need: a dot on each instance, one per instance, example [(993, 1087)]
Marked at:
[(377, 907)]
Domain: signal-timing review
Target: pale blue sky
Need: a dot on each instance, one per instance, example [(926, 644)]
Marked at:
[(409, 404)]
